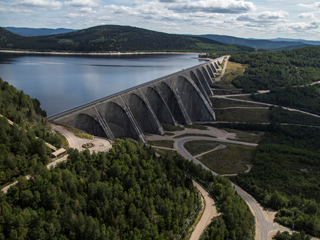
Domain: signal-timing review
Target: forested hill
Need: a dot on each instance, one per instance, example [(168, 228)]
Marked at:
[(38, 31), (22, 147), (108, 38), (129, 193), (269, 70)]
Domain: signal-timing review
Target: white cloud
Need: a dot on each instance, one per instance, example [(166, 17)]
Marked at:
[(316, 4), (273, 15), (105, 18), (121, 9), (306, 15), (74, 15), (85, 10), (263, 17), (82, 3), (213, 6), (173, 1), (206, 15), (52, 4), (169, 24), (301, 27), (14, 10)]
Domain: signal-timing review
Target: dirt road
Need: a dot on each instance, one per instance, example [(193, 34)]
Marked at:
[(209, 213)]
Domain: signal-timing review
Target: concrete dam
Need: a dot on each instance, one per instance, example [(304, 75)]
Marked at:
[(178, 98)]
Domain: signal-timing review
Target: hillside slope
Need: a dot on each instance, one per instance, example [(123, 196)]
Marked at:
[(110, 38), (27, 32), (270, 70), (22, 147)]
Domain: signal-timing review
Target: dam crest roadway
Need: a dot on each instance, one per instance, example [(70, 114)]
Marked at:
[(178, 98)]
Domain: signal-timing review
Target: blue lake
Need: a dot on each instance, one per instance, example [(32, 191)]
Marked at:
[(63, 82)]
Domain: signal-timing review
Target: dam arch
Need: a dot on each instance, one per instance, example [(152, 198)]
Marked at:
[(200, 86), (210, 72), (204, 82), (159, 106), (193, 102), (118, 121), (206, 75), (173, 103), (88, 124), (142, 114), (213, 68)]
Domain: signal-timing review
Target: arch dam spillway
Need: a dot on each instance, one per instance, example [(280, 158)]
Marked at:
[(178, 98)]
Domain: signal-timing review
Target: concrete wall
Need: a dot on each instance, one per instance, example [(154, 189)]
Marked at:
[(182, 97)]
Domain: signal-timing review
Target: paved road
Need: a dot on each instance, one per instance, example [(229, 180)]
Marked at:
[(100, 144), (72, 139), (266, 104), (209, 213), (241, 108), (223, 70), (263, 226)]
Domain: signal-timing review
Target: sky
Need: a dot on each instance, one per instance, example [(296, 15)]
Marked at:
[(264, 19)]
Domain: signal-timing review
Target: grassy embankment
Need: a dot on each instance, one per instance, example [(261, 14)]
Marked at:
[(247, 136), (243, 115), (77, 132), (233, 70), (227, 103), (162, 143), (199, 146), (232, 159), (169, 127)]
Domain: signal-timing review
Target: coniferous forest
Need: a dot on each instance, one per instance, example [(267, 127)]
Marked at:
[(285, 175), (305, 98), (128, 193), (269, 70), (22, 147)]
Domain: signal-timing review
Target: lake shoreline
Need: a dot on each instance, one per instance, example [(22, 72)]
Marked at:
[(93, 53)]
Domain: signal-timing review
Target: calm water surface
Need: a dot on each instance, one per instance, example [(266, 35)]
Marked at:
[(63, 82)]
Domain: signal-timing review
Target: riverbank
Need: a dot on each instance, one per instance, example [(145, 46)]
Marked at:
[(93, 53)]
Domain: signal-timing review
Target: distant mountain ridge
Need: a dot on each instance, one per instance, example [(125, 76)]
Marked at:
[(257, 43), (114, 38), (28, 32), (311, 42)]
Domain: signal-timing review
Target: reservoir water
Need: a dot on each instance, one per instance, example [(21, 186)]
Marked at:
[(61, 82)]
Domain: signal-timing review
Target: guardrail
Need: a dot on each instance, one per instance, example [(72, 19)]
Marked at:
[(124, 91)]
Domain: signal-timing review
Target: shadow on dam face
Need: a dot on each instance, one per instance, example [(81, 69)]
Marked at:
[(173, 104), (119, 122), (192, 101), (142, 114), (159, 106), (88, 124)]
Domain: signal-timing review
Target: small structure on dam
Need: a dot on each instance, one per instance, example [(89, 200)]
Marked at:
[(182, 97)]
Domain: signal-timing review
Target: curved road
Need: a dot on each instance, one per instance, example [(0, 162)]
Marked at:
[(72, 140), (263, 226)]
